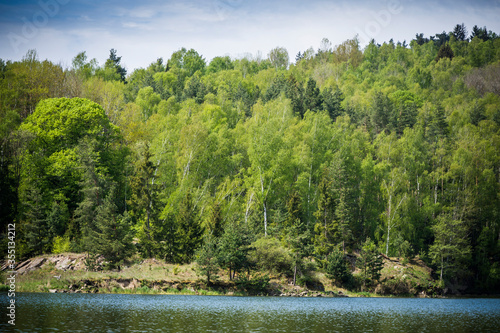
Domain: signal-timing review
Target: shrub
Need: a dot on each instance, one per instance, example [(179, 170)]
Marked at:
[(337, 267), (259, 283), (268, 254), (61, 245)]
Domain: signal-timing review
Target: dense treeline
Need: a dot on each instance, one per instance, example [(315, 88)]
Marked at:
[(259, 163)]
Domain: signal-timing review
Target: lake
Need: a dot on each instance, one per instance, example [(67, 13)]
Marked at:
[(174, 313)]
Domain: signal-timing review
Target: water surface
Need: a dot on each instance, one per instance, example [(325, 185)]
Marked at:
[(172, 313)]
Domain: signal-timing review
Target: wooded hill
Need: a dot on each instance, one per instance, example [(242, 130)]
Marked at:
[(393, 148)]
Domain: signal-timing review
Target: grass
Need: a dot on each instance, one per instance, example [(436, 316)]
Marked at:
[(156, 277)]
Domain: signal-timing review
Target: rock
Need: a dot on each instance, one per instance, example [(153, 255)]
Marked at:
[(53, 291), (30, 265), (65, 264)]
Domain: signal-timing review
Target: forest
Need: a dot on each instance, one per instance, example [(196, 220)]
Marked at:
[(255, 164)]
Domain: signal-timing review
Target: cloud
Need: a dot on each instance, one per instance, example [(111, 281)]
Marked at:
[(143, 31)]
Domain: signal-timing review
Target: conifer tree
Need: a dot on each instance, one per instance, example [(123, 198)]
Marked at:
[(332, 102), (111, 236), (312, 96), (215, 226), (297, 235), (34, 226), (165, 236), (233, 249), (190, 231), (325, 228), (370, 262), (143, 202), (207, 258), (337, 267), (445, 51)]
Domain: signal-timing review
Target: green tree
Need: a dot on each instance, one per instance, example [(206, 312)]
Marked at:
[(94, 185), (451, 249), (295, 92), (325, 228), (382, 111), (278, 57), (312, 96), (112, 68), (220, 64), (370, 262), (460, 32), (267, 253), (143, 202), (165, 238), (111, 236), (148, 100), (34, 223), (215, 222), (332, 102), (190, 231), (188, 60), (337, 267), (207, 258), (297, 235), (233, 249), (445, 51)]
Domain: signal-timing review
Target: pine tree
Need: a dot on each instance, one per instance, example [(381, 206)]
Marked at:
[(477, 114), (215, 226), (143, 202), (370, 262), (332, 102), (112, 236), (312, 96), (34, 226), (113, 63), (233, 249), (93, 187), (445, 51), (451, 250), (295, 92), (382, 110), (190, 231), (337, 267), (296, 234), (207, 258), (325, 228), (438, 127), (165, 236)]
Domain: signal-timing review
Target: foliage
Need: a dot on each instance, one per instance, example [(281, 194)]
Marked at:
[(338, 268), (281, 162), (370, 262), (268, 254), (207, 258)]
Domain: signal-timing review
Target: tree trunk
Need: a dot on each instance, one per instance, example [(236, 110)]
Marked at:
[(295, 274), (442, 266), (265, 219)]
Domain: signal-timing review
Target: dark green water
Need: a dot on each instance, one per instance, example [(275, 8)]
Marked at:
[(163, 313)]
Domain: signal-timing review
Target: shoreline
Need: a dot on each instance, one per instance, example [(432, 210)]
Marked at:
[(66, 273)]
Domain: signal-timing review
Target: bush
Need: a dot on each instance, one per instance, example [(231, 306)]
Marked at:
[(268, 254), (61, 245), (257, 284), (337, 267)]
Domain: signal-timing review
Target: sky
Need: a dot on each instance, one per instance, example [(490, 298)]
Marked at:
[(142, 31)]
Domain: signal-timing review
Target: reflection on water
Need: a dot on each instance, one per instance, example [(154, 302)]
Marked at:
[(166, 313)]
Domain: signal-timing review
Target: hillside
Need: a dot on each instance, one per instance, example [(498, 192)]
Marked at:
[(263, 165), (67, 273)]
